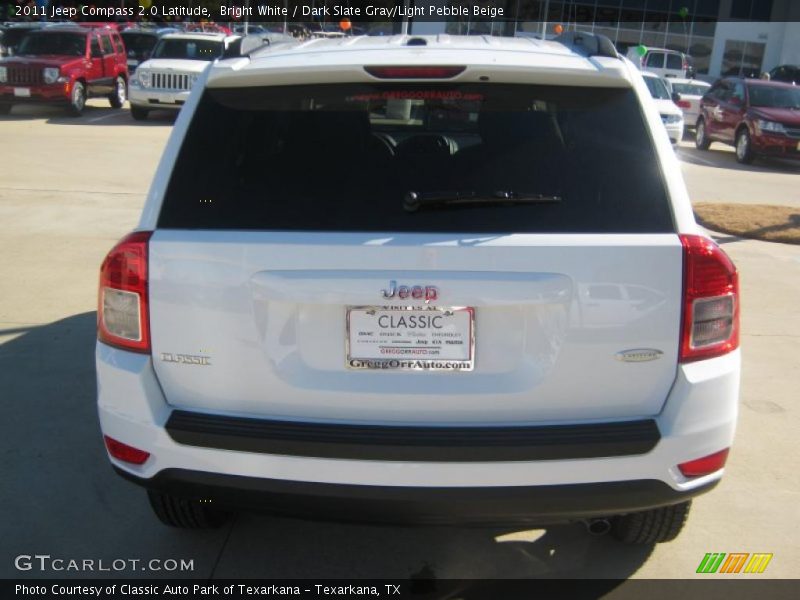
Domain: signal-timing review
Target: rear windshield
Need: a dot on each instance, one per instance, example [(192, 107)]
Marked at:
[(188, 49), (139, 43), (674, 61), (690, 89), (414, 158)]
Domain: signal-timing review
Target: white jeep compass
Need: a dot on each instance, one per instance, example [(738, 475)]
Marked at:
[(421, 279)]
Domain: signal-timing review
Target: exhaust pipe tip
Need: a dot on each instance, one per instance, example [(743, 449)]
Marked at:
[(598, 526)]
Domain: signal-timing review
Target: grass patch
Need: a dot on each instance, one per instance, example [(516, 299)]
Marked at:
[(755, 221)]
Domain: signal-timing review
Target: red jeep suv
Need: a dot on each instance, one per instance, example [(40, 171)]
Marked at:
[(65, 64), (759, 118)]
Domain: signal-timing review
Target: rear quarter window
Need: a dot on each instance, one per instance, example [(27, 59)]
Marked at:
[(346, 158), (655, 60), (674, 61)]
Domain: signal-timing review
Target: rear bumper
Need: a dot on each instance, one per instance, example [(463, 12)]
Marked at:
[(690, 119), (418, 505), (413, 444), (563, 480), (674, 131)]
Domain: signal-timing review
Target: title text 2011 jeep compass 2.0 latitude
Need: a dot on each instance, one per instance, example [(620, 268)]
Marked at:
[(421, 279)]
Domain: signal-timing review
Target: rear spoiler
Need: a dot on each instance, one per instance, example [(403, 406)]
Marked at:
[(247, 45), (588, 44)]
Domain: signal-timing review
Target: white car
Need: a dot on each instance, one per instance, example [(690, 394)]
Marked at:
[(166, 79), (661, 61), (690, 92), (427, 279), (671, 114)]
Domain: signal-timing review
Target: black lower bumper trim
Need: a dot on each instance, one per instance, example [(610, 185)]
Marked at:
[(413, 444), (418, 505)]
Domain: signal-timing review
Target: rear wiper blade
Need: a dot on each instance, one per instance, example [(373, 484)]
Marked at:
[(414, 201)]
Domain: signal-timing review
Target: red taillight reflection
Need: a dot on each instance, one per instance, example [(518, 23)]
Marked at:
[(705, 465), (125, 453)]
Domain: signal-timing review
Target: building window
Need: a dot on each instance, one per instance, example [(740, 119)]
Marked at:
[(742, 59), (751, 10)]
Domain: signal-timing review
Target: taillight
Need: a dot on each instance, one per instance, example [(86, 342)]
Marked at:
[(443, 72), (684, 104), (125, 453), (704, 466), (122, 312), (710, 300)]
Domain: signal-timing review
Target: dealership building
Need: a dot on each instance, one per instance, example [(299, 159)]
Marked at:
[(724, 37)]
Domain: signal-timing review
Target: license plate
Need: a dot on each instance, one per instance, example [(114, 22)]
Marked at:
[(22, 92), (410, 339)]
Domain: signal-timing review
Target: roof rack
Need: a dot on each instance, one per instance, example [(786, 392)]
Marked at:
[(589, 44)]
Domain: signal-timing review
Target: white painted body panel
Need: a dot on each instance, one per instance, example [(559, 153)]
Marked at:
[(269, 311), (698, 418), (691, 114)]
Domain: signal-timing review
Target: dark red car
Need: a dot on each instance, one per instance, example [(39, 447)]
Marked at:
[(65, 64), (757, 117)]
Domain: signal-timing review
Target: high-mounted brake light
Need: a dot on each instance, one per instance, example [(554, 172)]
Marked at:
[(710, 300), (122, 311), (125, 453), (443, 72)]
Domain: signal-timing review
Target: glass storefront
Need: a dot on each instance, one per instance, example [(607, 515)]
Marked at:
[(742, 59), (685, 25)]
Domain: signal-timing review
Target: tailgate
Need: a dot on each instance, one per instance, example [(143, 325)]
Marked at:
[(256, 323)]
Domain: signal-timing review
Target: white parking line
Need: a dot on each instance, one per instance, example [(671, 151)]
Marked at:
[(691, 159), (104, 117)]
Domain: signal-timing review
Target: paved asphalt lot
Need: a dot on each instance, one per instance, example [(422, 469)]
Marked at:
[(70, 187)]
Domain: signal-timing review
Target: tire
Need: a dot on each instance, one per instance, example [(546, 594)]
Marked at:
[(651, 526), (701, 140), (5, 109), (77, 100), (185, 514), (744, 149), (138, 113), (120, 94)]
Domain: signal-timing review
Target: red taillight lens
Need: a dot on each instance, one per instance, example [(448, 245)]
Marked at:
[(684, 104), (710, 300), (704, 466), (125, 453), (414, 72), (122, 312)]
